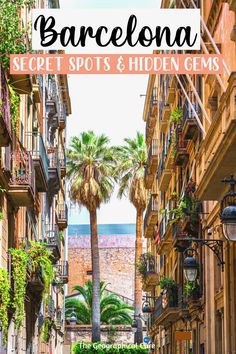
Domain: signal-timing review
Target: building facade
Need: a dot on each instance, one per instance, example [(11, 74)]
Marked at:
[(116, 243), (33, 116), (191, 138)]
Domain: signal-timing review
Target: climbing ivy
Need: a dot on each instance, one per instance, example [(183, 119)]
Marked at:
[(40, 258), (19, 274), (12, 35), (14, 106), (45, 332), (4, 302)]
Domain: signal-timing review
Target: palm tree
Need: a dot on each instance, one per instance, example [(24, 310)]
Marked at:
[(130, 171), (90, 170), (113, 310)]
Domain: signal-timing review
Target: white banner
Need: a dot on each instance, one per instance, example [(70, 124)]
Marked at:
[(106, 31)]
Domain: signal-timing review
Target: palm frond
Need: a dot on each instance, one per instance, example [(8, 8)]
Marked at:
[(113, 309)]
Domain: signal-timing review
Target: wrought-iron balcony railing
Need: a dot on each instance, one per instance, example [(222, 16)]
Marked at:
[(50, 308), (152, 210), (54, 172), (5, 115), (152, 154), (62, 211), (35, 145), (53, 157), (22, 181), (62, 216), (161, 107), (189, 124), (163, 224), (52, 105), (170, 302), (151, 264), (59, 319), (153, 100), (62, 271), (181, 154), (52, 239), (152, 114), (62, 115), (161, 166), (62, 162), (52, 90)]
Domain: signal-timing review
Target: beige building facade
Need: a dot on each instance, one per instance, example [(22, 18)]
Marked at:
[(33, 198), (191, 138)]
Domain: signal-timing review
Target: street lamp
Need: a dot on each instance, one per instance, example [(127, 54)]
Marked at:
[(146, 308), (56, 284), (190, 265), (73, 318), (228, 211)]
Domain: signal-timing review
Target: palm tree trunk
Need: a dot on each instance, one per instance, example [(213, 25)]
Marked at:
[(138, 253), (96, 335)]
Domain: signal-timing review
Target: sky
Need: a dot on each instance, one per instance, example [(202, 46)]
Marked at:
[(109, 104)]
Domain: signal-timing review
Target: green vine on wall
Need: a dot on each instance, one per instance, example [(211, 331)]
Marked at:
[(19, 274), (40, 258), (45, 332), (12, 35), (4, 301), (14, 106)]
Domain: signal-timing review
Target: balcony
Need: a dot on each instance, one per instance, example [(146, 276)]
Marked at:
[(151, 216), (35, 281), (164, 174), (62, 271), (5, 115), (62, 117), (152, 164), (59, 320), (50, 308), (216, 159), (52, 98), (152, 117), (22, 182), (54, 172), (35, 145), (163, 122), (53, 242), (169, 150), (168, 309), (180, 237), (164, 235), (181, 154), (170, 90), (37, 94), (151, 275), (62, 216), (166, 112), (190, 125), (22, 83), (62, 163)]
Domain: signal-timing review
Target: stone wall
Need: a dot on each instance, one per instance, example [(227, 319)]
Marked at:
[(117, 254), (121, 334)]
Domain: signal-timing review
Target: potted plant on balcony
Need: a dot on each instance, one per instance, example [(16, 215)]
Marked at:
[(41, 265), (191, 290), (146, 265), (176, 116), (169, 291)]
